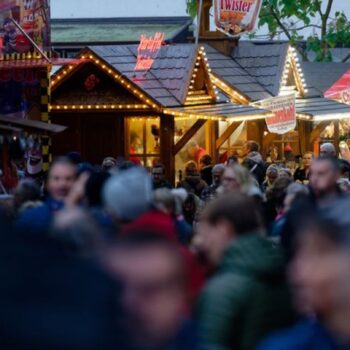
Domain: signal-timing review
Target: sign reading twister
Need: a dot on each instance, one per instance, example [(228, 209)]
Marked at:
[(236, 17), (33, 16)]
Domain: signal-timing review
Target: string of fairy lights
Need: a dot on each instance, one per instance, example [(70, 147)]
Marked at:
[(193, 97)]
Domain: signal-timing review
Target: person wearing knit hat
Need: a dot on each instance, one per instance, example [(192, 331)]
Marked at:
[(128, 194), (271, 176)]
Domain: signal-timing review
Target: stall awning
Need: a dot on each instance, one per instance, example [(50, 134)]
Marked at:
[(37, 63), (322, 108), (17, 124), (221, 111), (336, 90)]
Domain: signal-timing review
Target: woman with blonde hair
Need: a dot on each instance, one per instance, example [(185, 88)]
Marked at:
[(237, 178)]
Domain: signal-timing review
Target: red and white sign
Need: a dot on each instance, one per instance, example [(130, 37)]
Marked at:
[(284, 114), (148, 51), (340, 90), (236, 17)]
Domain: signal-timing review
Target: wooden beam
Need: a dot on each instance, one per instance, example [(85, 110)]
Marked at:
[(336, 135), (267, 141), (226, 134), (317, 131), (189, 134), (167, 131)]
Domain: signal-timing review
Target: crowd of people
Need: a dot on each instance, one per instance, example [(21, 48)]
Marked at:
[(243, 255)]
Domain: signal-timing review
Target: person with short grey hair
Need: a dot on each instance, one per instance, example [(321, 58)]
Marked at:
[(328, 150), (211, 191), (128, 194)]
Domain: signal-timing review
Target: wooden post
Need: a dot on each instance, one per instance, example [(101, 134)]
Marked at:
[(167, 148), (336, 135), (45, 100)]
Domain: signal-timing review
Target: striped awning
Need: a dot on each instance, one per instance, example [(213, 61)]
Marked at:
[(228, 110), (322, 108)]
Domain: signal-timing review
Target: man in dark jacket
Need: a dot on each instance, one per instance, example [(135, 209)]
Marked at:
[(247, 297), (61, 178)]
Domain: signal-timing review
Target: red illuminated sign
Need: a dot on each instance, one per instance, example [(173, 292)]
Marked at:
[(148, 50)]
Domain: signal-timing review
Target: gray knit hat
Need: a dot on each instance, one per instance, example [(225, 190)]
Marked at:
[(128, 194)]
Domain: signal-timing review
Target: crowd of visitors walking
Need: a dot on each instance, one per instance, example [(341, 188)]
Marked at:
[(243, 255)]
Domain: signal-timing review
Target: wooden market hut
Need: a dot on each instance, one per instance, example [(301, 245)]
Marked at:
[(264, 70), (111, 110)]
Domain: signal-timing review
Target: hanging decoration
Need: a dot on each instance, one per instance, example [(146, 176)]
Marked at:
[(283, 119)]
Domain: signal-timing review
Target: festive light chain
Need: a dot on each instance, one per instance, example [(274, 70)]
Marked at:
[(292, 61), (119, 78), (103, 106)]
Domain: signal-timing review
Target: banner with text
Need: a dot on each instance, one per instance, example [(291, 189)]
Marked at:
[(34, 18), (236, 17), (283, 119)]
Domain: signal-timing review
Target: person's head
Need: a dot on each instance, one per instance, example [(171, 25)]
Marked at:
[(285, 172), (328, 150), (324, 174), (295, 191), (94, 186), (224, 220), (192, 149), (217, 173), (75, 231), (235, 178), (154, 294), (26, 191), (277, 192), (206, 160), (128, 194), (165, 201), (307, 159), (272, 173), (232, 160), (109, 163), (252, 146), (61, 177), (191, 168), (158, 173), (319, 273)]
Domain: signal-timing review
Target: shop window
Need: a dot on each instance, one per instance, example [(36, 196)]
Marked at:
[(234, 145), (143, 141), (193, 150)]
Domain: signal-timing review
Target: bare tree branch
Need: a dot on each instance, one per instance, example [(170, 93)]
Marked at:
[(346, 58), (286, 31)]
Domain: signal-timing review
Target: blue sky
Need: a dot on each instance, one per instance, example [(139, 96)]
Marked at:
[(134, 8), (138, 8)]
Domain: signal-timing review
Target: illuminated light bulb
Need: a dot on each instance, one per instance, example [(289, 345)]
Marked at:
[(109, 71), (59, 77), (81, 107), (89, 107), (97, 61), (74, 107), (91, 57)]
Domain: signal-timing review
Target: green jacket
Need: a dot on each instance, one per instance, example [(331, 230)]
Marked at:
[(248, 296)]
